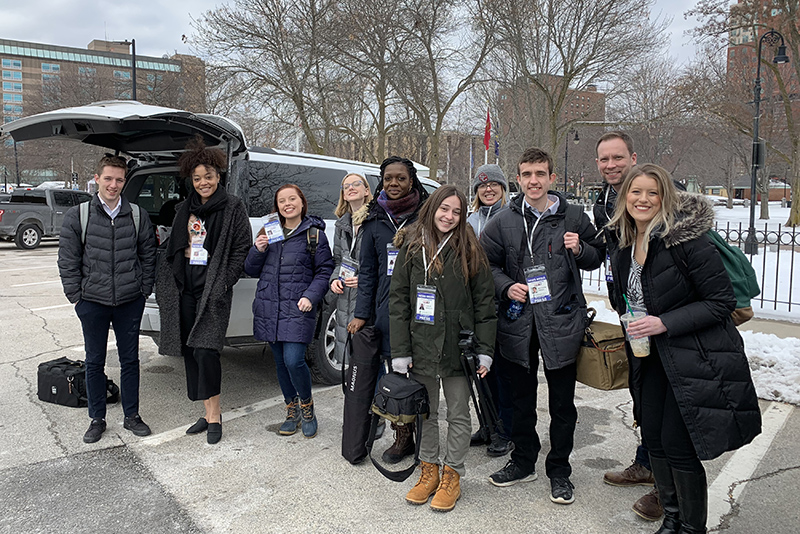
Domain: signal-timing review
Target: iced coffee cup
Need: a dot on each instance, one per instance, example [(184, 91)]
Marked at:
[(641, 346)]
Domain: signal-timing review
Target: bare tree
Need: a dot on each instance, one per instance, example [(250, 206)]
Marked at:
[(434, 60), (717, 19), (555, 48)]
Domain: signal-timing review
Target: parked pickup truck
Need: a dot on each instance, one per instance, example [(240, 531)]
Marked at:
[(32, 214)]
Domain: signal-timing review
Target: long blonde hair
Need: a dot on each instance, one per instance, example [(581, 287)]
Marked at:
[(343, 206), (663, 220)]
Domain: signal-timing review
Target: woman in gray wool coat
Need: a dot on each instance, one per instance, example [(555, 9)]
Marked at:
[(194, 285), (351, 210)]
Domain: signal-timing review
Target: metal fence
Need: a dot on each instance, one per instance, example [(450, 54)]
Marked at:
[(777, 265)]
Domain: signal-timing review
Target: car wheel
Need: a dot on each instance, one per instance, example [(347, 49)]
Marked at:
[(325, 368), (28, 236)]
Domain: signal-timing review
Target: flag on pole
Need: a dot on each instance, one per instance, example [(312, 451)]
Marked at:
[(487, 134)]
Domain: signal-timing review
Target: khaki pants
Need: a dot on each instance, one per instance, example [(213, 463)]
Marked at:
[(459, 424)]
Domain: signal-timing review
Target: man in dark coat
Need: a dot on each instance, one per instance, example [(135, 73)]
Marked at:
[(107, 271), (535, 249)]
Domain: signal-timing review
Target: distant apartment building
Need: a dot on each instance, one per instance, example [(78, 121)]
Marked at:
[(39, 77)]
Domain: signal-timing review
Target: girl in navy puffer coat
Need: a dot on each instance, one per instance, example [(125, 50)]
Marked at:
[(293, 280)]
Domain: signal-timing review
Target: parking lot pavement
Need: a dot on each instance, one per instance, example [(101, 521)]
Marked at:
[(257, 481)]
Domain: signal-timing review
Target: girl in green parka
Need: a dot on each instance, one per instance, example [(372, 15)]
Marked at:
[(441, 285)]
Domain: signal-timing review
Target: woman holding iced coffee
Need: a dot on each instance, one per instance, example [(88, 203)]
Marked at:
[(693, 394)]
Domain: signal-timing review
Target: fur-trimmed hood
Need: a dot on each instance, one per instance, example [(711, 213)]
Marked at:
[(361, 214), (694, 217), (400, 237)]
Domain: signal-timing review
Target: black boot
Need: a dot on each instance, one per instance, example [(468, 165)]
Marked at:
[(668, 495), (693, 498)]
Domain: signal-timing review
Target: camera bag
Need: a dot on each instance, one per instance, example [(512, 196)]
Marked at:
[(401, 400), (63, 381)]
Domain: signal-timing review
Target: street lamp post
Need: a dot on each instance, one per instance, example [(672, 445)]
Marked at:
[(772, 37), (132, 42), (566, 154)]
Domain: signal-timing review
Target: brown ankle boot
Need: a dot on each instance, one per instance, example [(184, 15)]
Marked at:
[(448, 492), (426, 485), (403, 444)]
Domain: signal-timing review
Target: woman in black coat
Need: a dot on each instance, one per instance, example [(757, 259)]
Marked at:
[(194, 286), (693, 394)]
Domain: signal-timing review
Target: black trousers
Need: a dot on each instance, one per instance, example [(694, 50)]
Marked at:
[(203, 367), (563, 414), (663, 428)]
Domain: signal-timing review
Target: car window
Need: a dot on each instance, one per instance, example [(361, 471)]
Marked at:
[(62, 198), (81, 197), (158, 196), (320, 186)]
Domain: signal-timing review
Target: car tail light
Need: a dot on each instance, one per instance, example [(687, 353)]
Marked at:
[(1, 215)]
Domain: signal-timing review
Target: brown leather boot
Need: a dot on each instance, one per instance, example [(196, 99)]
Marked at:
[(649, 506), (634, 475), (403, 444), (426, 485), (448, 492)]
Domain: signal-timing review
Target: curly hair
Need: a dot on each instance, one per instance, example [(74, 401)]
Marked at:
[(198, 154)]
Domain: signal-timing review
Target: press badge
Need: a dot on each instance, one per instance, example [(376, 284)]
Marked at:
[(391, 257), (609, 274), (348, 268), (272, 227), (426, 304), (536, 278), (198, 255)]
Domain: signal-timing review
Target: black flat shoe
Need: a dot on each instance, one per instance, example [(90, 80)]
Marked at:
[(214, 433), (200, 426)]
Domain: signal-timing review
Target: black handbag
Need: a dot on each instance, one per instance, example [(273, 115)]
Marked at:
[(401, 400), (359, 375), (63, 381)]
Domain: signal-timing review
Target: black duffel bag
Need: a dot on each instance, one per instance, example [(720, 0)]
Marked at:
[(359, 375), (63, 381), (401, 400)]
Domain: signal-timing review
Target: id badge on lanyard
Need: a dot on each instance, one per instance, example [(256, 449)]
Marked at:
[(272, 227), (391, 258), (609, 274), (348, 268), (198, 255), (536, 278), (425, 307)]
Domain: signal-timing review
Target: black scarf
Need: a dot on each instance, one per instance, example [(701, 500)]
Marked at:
[(210, 213)]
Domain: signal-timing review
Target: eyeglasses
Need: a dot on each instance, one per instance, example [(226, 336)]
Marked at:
[(487, 185), (352, 185)]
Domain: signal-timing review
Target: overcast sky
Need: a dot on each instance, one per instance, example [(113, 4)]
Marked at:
[(158, 25)]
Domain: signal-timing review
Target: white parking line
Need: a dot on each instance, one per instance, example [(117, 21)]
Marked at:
[(743, 464), (37, 283), (51, 307), (170, 435), (25, 269)]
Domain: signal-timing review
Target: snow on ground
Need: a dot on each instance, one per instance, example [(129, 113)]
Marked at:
[(774, 361)]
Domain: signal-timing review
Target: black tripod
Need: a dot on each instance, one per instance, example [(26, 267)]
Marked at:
[(478, 388)]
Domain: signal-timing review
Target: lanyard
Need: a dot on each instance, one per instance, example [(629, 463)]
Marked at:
[(396, 228), (529, 238), (605, 203), (438, 250), (488, 214)]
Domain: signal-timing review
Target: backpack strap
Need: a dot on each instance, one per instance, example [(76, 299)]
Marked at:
[(312, 240), (84, 213), (572, 218), (137, 217)]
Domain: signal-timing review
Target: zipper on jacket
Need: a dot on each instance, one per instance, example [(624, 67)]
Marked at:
[(113, 254)]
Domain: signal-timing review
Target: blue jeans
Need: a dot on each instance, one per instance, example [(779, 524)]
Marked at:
[(293, 374), (95, 320)]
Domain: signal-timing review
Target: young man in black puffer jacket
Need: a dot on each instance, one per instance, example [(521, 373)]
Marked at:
[(108, 272)]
